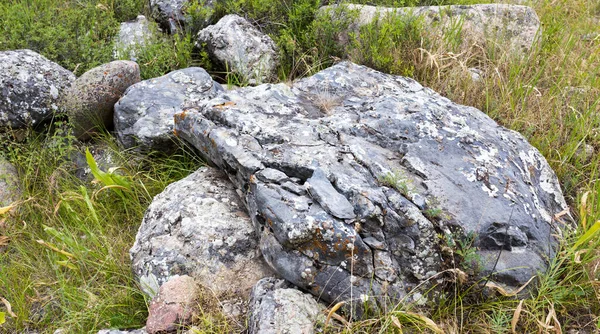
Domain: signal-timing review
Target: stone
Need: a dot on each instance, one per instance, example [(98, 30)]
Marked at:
[(133, 35), (144, 115), (513, 28), (90, 100), (276, 307), (174, 305), (116, 331), (9, 183), (30, 88), (198, 227), (103, 155), (172, 15), (483, 180), (240, 48)]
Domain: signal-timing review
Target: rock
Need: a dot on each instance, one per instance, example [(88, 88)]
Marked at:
[(30, 87), (278, 308), (105, 159), (116, 331), (475, 73), (198, 227), (90, 100), (172, 15), (241, 48), (386, 144), (512, 27), (174, 306), (133, 35), (144, 115), (9, 183)]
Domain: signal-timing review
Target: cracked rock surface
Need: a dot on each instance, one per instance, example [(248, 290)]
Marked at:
[(351, 176), (143, 117), (198, 227), (30, 88)]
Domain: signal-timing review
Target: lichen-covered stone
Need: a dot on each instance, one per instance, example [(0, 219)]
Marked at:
[(513, 28), (133, 35), (9, 183), (241, 48), (90, 100), (413, 165), (144, 116), (198, 227), (276, 307), (30, 88)]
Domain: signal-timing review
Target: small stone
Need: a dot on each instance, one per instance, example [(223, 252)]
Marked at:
[(174, 305), (9, 183)]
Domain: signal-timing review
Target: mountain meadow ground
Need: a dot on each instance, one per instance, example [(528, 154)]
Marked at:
[(64, 261)]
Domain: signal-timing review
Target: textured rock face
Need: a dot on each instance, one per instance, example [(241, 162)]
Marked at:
[(512, 26), (198, 226), (132, 35), (174, 305), (30, 87), (144, 115), (90, 100), (235, 43), (278, 308), (352, 175), (9, 183), (169, 13)]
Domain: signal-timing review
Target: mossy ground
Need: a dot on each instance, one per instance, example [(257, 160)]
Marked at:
[(64, 253)]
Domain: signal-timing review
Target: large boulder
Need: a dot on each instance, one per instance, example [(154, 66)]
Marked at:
[(30, 88), (276, 307), (360, 180), (90, 100), (133, 35), (9, 183), (242, 49), (144, 116), (198, 227), (513, 28)]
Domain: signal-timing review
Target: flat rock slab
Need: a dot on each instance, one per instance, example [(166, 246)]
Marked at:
[(199, 227), (241, 48), (413, 165), (512, 27), (143, 117), (276, 307), (30, 88)]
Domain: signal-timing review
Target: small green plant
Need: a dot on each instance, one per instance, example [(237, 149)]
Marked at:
[(398, 181)]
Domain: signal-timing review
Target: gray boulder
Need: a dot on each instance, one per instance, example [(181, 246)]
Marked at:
[(419, 171), (90, 100), (513, 28), (198, 227), (133, 35), (172, 15), (277, 308), (30, 88), (144, 115), (243, 49), (9, 183)]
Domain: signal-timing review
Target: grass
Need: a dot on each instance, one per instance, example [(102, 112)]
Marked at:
[(66, 263)]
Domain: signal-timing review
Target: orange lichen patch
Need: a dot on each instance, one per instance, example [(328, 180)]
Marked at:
[(180, 117), (225, 104), (253, 180), (213, 143), (175, 133)]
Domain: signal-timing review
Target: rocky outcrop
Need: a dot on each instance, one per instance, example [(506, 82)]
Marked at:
[(90, 100), (133, 35), (30, 88), (144, 116), (276, 307), (511, 27), (9, 183), (242, 49), (174, 305), (355, 179), (198, 227)]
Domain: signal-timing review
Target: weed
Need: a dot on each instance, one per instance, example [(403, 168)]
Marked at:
[(398, 181)]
